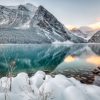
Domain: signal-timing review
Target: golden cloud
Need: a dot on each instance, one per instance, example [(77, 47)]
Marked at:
[(70, 27), (95, 26)]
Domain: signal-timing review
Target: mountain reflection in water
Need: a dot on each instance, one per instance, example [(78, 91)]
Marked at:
[(55, 58)]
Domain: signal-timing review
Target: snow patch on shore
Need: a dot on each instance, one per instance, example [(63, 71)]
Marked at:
[(45, 87)]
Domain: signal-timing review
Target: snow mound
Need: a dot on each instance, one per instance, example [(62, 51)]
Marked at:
[(45, 87)]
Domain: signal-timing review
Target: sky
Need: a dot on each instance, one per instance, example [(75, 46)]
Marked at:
[(69, 12)]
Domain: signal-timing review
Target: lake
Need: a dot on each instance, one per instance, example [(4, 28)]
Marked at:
[(53, 58)]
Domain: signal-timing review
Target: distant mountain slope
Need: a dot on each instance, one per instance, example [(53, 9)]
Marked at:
[(95, 38), (78, 32), (83, 32)]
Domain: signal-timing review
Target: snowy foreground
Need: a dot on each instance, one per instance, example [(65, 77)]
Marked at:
[(44, 87)]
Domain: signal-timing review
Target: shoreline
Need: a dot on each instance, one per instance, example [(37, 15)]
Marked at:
[(84, 77)]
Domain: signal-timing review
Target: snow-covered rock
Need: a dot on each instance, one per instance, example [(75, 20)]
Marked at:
[(97, 80), (45, 87)]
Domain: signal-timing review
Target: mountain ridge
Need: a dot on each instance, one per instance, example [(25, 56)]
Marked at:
[(35, 21)]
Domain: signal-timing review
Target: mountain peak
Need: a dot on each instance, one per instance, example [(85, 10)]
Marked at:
[(30, 6), (2, 7), (47, 21), (41, 7), (22, 8)]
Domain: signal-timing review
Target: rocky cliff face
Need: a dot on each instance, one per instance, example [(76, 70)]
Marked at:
[(44, 19)]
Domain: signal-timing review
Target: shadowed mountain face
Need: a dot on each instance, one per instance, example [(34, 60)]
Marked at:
[(84, 32), (89, 34), (30, 24), (95, 38), (48, 22)]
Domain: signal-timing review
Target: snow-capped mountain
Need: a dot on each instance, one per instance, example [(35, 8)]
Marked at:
[(15, 16), (78, 32), (95, 38), (84, 32), (48, 22), (30, 24)]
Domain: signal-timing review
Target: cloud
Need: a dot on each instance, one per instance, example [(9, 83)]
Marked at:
[(95, 25), (70, 27)]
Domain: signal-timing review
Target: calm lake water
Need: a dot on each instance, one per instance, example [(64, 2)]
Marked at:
[(56, 58)]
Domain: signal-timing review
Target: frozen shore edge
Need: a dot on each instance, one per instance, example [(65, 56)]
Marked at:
[(45, 87)]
